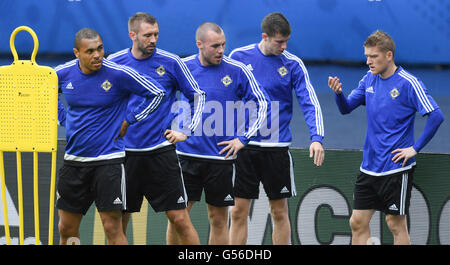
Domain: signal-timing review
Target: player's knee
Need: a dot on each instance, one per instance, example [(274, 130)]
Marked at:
[(179, 220), (217, 220), (112, 228), (112, 233), (279, 214), (238, 213), (357, 223), (395, 224), (67, 230)]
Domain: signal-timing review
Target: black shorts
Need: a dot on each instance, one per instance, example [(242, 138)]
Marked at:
[(390, 194), (157, 176), (272, 166), (215, 177), (79, 186)]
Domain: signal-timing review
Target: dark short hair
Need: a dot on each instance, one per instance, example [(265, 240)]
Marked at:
[(275, 23), (382, 40), (85, 33), (135, 21)]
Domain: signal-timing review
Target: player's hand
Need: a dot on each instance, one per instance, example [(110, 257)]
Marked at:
[(403, 153), (333, 83), (316, 150), (174, 137), (232, 146), (123, 130)]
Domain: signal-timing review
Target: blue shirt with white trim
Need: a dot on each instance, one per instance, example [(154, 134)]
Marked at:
[(96, 108), (391, 106), (228, 86), (170, 71), (279, 75)]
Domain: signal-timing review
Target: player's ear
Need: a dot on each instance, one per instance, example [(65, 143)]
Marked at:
[(264, 36), (199, 44), (76, 52), (132, 35), (390, 55)]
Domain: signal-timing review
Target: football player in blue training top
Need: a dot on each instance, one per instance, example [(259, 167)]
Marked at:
[(152, 166), (267, 159), (97, 91), (392, 97), (207, 165)]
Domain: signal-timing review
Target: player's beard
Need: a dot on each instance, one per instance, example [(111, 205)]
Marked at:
[(145, 49)]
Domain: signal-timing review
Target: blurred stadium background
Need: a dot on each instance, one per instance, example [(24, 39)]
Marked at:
[(327, 35)]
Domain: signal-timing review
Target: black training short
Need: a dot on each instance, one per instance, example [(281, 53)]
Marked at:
[(79, 186), (390, 194), (215, 177), (155, 175), (272, 166)]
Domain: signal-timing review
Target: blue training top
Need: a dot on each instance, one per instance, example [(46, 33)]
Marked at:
[(169, 71), (96, 108), (391, 106), (229, 86), (279, 75)]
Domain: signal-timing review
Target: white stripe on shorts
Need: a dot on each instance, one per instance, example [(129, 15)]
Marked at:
[(184, 187), (234, 174), (291, 168), (123, 187), (403, 193)]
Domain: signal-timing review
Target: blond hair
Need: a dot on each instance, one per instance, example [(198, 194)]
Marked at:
[(382, 40)]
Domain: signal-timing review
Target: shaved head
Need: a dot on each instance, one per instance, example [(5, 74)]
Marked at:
[(206, 27)]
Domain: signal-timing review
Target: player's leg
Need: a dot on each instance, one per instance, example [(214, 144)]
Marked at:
[(185, 233), (278, 181), (281, 225), (126, 216), (171, 196), (365, 203), (68, 226), (398, 226), (112, 225), (173, 237), (246, 188), (396, 192), (219, 176), (218, 221), (359, 223), (72, 205), (239, 221), (181, 222), (109, 188)]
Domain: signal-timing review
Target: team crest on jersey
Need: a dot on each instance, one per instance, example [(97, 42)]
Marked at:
[(106, 85), (226, 80), (394, 93), (282, 71), (160, 70)]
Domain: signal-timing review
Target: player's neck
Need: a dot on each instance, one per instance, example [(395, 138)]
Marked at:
[(202, 60), (391, 69), (263, 49)]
